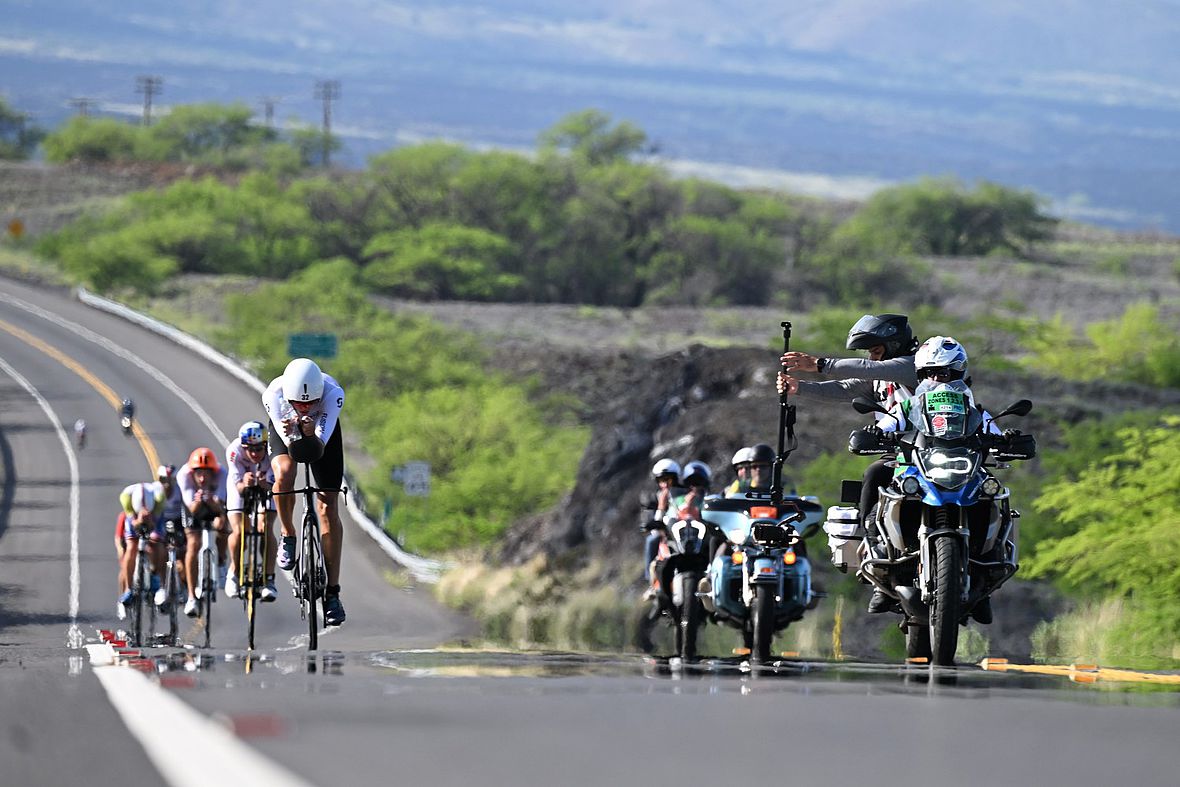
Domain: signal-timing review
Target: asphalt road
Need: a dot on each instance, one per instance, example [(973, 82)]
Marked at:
[(381, 703)]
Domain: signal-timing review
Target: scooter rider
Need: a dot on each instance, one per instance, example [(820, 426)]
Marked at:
[(887, 376)]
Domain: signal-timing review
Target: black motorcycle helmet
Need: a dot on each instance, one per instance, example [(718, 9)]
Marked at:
[(891, 330), (762, 454)]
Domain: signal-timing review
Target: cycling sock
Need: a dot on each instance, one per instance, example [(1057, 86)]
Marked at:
[(332, 590)]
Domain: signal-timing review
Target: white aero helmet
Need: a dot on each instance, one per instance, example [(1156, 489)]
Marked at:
[(696, 468), (744, 455), (666, 467), (941, 352), (303, 381)]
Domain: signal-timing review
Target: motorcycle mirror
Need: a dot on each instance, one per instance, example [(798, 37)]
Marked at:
[(863, 404), (1022, 407)]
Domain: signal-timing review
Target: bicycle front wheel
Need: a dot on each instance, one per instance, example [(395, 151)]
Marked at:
[(250, 575), (312, 559), (138, 591), (207, 568)]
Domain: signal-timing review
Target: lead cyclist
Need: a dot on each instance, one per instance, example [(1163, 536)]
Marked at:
[(305, 402)]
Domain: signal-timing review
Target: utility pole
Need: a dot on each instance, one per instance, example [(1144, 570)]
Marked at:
[(327, 90), (83, 105), (149, 86), (268, 109)]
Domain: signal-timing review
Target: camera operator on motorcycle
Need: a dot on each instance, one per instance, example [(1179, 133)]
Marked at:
[(888, 376)]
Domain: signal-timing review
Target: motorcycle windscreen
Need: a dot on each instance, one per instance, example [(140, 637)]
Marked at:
[(945, 414)]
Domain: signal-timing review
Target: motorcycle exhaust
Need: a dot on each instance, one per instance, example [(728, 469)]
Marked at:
[(911, 601)]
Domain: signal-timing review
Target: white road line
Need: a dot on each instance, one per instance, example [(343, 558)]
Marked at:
[(72, 458), (222, 758), (126, 354)]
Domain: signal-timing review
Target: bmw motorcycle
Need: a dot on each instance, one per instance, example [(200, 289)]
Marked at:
[(761, 582), (947, 530)]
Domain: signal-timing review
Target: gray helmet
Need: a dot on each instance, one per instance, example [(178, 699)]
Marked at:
[(891, 330)]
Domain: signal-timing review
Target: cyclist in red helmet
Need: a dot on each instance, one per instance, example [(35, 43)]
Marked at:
[(202, 488)]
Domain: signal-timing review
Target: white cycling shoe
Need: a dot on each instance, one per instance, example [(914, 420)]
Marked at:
[(268, 593), (231, 585), (190, 607)]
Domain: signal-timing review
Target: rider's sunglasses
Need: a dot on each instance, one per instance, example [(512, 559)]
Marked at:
[(763, 465), (304, 405), (259, 447)]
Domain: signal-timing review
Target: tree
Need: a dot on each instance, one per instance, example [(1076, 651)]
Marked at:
[(205, 133), (18, 137), (93, 140), (588, 135)]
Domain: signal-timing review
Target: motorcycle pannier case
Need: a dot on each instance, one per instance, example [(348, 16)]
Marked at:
[(844, 536)]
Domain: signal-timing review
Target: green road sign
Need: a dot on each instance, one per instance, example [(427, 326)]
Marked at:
[(312, 345)]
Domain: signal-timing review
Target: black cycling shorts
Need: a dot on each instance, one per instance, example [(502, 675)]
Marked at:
[(328, 470)]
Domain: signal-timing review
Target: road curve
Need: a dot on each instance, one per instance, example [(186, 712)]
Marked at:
[(380, 704)]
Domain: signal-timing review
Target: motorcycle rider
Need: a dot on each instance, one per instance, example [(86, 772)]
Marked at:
[(127, 410), (888, 376), (941, 364), (741, 468), (666, 474)]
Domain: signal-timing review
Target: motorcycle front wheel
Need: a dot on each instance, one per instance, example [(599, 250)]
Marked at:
[(763, 615), (690, 618), (944, 607)]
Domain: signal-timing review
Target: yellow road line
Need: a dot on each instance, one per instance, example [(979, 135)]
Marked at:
[(145, 443), (1081, 673)]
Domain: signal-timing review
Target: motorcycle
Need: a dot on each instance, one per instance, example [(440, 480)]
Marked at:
[(761, 582), (948, 532), (679, 569)]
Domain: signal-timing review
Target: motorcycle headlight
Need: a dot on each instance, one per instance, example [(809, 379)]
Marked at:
[(990, 487), (910, 485)]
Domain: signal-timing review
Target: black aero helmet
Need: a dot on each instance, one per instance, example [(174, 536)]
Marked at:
[(762, 454), (891, 330)]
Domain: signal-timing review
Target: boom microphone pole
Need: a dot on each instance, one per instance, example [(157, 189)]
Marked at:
[(786, 429)]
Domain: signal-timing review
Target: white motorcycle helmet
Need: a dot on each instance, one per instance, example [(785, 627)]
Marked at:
[(666, 467), (743, 456), (303, 381), (942, 356), (696, 468)]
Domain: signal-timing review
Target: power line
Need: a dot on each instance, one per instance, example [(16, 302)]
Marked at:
[(150, 86), (327, 90)]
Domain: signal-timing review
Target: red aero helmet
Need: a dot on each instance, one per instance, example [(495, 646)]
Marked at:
[(203, 457)]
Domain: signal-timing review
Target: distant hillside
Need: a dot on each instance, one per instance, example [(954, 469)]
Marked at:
[(1073, 98)]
